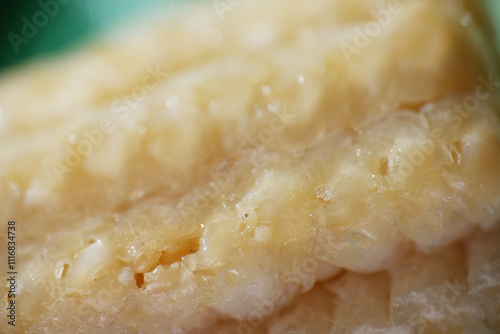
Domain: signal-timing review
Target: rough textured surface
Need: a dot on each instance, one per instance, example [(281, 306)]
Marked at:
[(257, 175)]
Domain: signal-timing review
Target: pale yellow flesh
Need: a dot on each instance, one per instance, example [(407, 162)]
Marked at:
[(267, 182)]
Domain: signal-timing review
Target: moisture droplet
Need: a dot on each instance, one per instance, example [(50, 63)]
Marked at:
[(72, 138), (300, 79), (266, 90), (172, 101), (325, 193), (465, 20)]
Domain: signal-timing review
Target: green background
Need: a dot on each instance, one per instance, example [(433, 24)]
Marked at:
[(75, 21), (80, 19)]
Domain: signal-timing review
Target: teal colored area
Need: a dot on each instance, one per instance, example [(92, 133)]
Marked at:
[(40, 27)]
